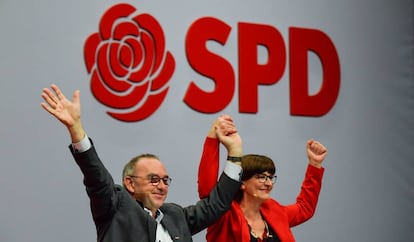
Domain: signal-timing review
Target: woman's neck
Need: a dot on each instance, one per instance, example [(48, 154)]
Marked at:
[(251, 211), (250, 204)]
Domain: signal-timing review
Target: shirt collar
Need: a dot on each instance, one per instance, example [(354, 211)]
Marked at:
[(158, 214)]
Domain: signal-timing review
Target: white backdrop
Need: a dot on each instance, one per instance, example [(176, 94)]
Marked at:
[(367, 193)]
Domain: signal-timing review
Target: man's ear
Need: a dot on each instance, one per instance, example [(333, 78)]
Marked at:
[(129, 184)]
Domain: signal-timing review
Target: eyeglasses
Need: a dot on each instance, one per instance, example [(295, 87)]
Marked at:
[(155, 179), (263, 178)]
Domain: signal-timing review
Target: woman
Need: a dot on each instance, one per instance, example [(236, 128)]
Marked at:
[(254, 215)]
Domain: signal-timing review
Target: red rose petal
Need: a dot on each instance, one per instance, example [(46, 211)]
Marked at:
[(148, 57), (151, 25), (111, 15), (116, 61), (106, 74), (125, 30), (152, 103), (89, 51), (115, 100), (165, 74)]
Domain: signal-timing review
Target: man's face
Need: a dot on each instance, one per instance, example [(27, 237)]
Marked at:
[(152, 195)]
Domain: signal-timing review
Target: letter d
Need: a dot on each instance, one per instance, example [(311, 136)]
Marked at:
[(301, 103)]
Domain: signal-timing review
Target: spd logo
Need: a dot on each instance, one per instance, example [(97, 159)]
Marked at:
[(128, 63), (130, 67)]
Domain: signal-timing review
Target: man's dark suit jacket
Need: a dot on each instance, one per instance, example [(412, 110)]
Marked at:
[(120, 218)]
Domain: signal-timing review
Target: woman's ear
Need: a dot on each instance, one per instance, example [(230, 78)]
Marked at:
[(243, 186)]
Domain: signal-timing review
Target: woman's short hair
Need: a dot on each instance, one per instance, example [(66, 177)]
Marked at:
[(253, 164), (256, 164)]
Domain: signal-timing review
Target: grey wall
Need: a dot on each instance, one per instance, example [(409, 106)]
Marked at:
[(367, 191)]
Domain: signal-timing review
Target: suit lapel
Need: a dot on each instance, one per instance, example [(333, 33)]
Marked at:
[(152, 228), (151, 223), (171, 226)]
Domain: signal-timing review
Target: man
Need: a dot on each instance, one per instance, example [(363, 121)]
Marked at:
[(137, 212)]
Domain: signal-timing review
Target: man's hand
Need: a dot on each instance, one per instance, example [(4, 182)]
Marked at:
[(66, 111), (227, 133)]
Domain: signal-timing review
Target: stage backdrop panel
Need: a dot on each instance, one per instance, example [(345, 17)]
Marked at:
[(259, 61)]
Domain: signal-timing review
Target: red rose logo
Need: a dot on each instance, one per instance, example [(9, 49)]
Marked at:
[(128, 63)]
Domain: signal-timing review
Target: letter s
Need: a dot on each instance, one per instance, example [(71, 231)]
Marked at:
[(209, 65)]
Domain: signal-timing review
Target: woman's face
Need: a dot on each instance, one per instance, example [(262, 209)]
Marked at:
[(258, 186)]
